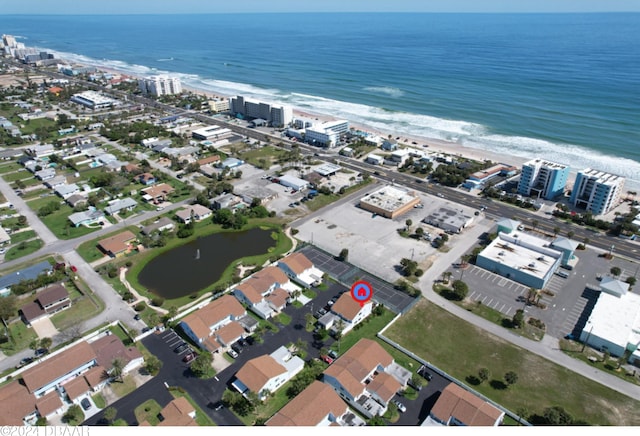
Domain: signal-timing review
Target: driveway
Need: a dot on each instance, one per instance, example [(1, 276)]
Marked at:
[(44, 328)]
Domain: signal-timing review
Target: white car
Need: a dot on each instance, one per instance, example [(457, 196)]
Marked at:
[(232, 353), (400, 406)]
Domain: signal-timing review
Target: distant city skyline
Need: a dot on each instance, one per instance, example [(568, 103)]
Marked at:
[(66, 7)]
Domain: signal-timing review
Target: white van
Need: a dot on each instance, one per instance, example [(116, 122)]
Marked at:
[(562, 274)]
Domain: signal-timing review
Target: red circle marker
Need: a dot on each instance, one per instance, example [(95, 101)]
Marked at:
[(361, 292)]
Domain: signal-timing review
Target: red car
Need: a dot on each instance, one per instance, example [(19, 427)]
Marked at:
[(188, 357), (74, 269), (327, 359)]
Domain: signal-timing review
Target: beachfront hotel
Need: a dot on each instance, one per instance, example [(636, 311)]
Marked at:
[(596, 191), (160, 85), (543, 179), (277, 116), (326, 134)]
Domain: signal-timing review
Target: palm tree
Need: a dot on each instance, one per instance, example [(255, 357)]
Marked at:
[(117, 368), (556, 230)]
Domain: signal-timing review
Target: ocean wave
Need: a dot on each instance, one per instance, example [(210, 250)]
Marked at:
[(472, 135), (386, 90), (164, 60)]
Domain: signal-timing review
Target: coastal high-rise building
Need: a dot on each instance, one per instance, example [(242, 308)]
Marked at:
[(543, 179), (596, 191), (277, 116), (160, 85), (326, 134)]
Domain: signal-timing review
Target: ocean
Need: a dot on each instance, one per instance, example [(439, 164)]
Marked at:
[(563, 87)]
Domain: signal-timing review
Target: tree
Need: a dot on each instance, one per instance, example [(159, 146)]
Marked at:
[(152, 364), (446, 276), (511, 378), (46, 343), (344, 254), (556, 230), (408, 222), (631, 280), (483, 375), (556, 415), (8, 307), (615, 271), (570, 234), (117, 368), (460, 290), (518, 319), (110, 414), (419, 232), (534, 224), (73, 415), (201, 366), (22, 220)]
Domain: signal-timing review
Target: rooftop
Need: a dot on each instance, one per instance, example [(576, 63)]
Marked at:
[(616, 318), (389, 198)]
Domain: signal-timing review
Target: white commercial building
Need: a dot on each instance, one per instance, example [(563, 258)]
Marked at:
[(614, 323), (596, 191), (160, 85), (277, 116), (94, 100), (293, 182), (210, 132), (326, 134)]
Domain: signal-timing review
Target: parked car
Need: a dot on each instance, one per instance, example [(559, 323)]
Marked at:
[(250, 340), (232, 354), (218, 406), (400, 406), (333, 354), (237, 348), (41, 352), (180, 348), (422, 371), (327, 359), (137, 317), (24, 362), (73, 268), (86, 404), (188, 357)]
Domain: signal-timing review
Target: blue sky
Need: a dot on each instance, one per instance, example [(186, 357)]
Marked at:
[(216, 6)]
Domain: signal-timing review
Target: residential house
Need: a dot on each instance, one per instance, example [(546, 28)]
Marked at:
[(157, 193), (458, 407), (216, 325), (131, 169), (29, 273), (117, 245), (301, 270), (76, 200), (109, 347), (160, 225), (227, 201), (55, 182), (48, 301), (86, 217), (316, 406), (265, 374), (66, 191), (211, 160), (389, 145), (264, 291), (366, 377), (41, 150), (374, 159), (45, 174), (178, 413), (193, 212), (345, 314), (146, 179), (117, 206)]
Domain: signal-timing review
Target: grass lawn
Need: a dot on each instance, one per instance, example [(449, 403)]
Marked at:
[(541, 383), (148, 411), (21, 337), (18, 175), (283, 318), (321, 200), (23, 248), (82, 309), (36, 193), (124, 388), (9, 167), (99, 400), (269, 153), (367, 329), (269, 407), (201, 417), (23, 236), (58, 222)]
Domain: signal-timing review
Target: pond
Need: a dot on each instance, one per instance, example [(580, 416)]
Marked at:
[(194, 266)]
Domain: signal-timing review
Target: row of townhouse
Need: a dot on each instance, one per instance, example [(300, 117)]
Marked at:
[(365, 379), (48, 387)]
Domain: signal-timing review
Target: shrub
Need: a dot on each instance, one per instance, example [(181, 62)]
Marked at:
[(157, 301), (140, 307)]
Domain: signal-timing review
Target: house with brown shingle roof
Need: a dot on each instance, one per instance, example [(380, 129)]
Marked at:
[(301, 270), (49, 404), (345, 314), (193, 212), (117, 245), (458, 407), (110, 347), (17, 404), (254, 290), (48, 301), (157, 193), (352, 373), (267, 373), (317, 405), (203, 325)]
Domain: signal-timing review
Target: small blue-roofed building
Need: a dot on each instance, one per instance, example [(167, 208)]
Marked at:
[(507, 225), (566, 246), (28, 273), (231, 162)]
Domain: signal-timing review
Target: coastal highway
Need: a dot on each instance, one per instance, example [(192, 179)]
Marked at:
[(494, 208)]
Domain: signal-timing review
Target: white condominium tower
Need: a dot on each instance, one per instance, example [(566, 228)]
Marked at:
[(160, 85)]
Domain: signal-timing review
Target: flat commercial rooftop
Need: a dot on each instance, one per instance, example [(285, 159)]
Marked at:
[(616, 319), (523, 252), (389, 198)]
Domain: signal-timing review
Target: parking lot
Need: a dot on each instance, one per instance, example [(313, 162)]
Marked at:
[(383, 292), (374, 242), (568, 301)]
